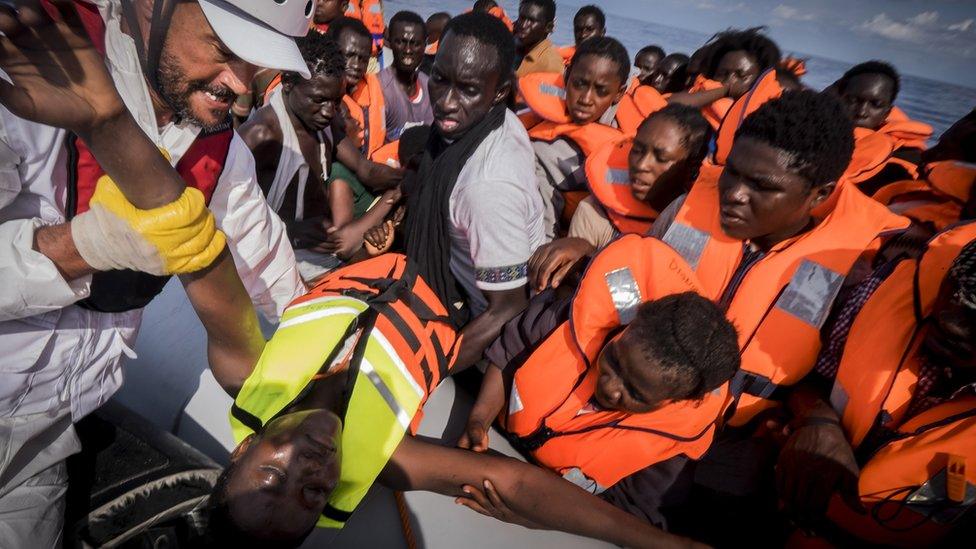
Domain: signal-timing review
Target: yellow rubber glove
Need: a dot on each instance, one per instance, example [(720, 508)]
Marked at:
[(180, 237)]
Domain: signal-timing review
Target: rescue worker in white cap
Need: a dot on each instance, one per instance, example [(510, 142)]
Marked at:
[(77, 260)]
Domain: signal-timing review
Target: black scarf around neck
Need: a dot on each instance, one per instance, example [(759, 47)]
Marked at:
[(427, 240)]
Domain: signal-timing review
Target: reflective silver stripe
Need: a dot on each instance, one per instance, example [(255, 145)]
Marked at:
[(688, 241), (316, 315), (514, 401), (838, 398), (367, 369), (549, 89), (624, 292), (577, 477), (810, 293), (616, 176)]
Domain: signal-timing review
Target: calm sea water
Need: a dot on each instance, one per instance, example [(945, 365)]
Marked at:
[(937, 103)]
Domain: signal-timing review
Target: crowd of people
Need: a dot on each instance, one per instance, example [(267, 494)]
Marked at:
[(693, 291)]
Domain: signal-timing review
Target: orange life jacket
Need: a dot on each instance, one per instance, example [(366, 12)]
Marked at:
[(407, 313), (272, 86), (795, 65), (499, 12), (366, 105), (388, 154), (353, 10), (779, 303), (608, 175), (545, 94), (199, 167), (372, 17), (648, 101), (765, 89), (714, 112), (633, 85), (875, 383), (567, 53), (937, 199), (597, 449), (431, 48), (904, 131)]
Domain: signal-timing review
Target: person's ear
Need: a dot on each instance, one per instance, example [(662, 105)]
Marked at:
[(822, 193), (503, 91), (243, 447)]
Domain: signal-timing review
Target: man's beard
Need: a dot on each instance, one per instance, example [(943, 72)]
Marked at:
[(175, 89)]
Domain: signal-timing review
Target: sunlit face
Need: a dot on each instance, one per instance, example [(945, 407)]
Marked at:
[(646, 62), (658, 161), (356, 48), (199, 77), (314, 101), (464, 84), (593, 85), (531, 26), (282, 479), (868, 99), (629, 381), (762, 199), (407, 42), (738, 70), (586, 26)]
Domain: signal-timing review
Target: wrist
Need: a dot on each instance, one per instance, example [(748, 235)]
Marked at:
[(55, 243)]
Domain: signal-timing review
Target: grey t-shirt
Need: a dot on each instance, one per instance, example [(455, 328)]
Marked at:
[(402, 112)]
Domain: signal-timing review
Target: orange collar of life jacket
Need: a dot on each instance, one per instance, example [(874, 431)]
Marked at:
[(608, 176), (905, 131), (715, 112), (765, 89), (559, 378), (366, 105), (545, 95), (780, 303)]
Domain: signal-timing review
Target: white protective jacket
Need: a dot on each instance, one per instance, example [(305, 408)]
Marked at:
[(56, 357)]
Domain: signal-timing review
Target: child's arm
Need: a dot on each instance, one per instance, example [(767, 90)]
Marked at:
[(346, 240)]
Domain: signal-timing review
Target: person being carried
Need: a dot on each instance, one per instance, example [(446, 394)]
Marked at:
[(405, 97), (329, 406), (632, 180), (578, 117), (435, 28), (883, 430), (945, 192), (588, 22), (888, 145), (294, 146), (535, 52), (617, 389)]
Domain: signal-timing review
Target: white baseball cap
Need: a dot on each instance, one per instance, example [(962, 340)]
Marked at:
[(262, 32)]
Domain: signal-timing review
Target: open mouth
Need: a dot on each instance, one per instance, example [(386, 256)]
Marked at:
[(218, 100)]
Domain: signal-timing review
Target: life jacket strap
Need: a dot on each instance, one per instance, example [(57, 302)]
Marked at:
[(758, 386)]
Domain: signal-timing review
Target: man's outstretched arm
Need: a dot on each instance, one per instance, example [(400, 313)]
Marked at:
[(539, 496)]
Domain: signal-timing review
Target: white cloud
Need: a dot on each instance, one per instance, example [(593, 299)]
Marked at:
[(783, 11), (885, 26), (924, 19), (721, 7), (963, 26)]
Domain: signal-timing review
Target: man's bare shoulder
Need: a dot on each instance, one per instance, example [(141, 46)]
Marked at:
[(262, 134)]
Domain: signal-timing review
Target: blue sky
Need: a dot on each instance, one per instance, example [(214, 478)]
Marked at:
[(934, 39)]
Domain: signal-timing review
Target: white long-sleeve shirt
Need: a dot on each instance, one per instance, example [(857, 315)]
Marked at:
[(55, 354)]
